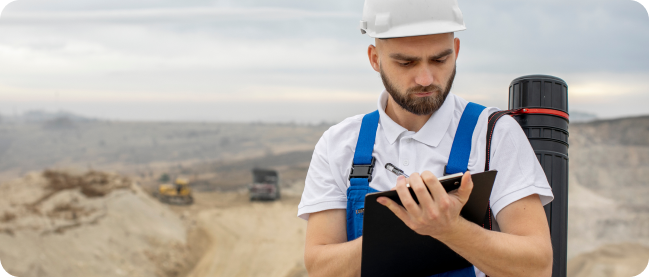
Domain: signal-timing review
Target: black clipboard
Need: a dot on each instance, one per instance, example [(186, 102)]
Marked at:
[(390, 248)]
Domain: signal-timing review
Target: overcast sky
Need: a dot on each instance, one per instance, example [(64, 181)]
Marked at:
[(297, 60)]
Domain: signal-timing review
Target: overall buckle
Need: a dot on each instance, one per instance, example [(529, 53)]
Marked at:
[(362, 170)]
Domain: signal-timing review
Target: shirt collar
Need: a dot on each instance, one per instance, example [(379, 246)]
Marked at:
[(430, 134)]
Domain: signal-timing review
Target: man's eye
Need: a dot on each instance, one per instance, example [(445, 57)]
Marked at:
[(405, 64), (440, 61)]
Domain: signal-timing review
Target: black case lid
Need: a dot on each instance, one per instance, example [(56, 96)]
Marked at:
[(538, 91)]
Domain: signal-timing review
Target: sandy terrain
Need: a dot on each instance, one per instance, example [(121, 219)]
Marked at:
[(258, 239), (616, 260), (123, 231), (65, 230), (115, 228), (243, 238)]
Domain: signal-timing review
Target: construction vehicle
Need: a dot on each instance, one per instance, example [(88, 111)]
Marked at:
[(178, 193), (265, 185)]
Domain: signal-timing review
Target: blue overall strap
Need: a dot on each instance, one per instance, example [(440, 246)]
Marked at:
[(458, 161), (361, 175), (366, 137), (363, 160)]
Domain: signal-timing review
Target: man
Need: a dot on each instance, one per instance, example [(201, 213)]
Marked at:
[(418, 119)]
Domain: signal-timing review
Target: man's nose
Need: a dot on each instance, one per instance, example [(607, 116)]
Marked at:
[(424, 77)]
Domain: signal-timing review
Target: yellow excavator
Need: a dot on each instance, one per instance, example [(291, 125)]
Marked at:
[(178, 193)]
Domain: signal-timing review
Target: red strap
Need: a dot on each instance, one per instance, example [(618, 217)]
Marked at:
[(541, 111)]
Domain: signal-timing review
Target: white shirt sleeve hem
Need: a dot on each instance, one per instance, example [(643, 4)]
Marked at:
[(304, 211), (544, 193)]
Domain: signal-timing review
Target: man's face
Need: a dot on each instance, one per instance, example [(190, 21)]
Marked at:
[(418, 72)]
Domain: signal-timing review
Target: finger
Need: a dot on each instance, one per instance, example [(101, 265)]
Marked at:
[(394, 188), (436, 189), (420, 189), (399, 211), (404, 194), (465, 189)]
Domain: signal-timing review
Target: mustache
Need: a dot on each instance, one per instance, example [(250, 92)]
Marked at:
[(422, 89)]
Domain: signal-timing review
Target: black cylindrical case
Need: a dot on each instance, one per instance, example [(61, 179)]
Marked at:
[(547, 131)]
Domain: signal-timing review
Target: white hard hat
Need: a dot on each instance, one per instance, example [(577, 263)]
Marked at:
[(407, 18)]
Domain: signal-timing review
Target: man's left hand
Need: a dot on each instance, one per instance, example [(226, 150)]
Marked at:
[(438, 212)]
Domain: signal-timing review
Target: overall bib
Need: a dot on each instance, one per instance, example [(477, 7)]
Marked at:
[(363, 165)]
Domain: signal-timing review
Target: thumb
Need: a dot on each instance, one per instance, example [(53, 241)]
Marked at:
[(465, 189)]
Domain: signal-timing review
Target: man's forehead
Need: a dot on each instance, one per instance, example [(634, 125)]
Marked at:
[(430, 44)]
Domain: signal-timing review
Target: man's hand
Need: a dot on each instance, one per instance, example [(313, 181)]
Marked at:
[(438, 212)]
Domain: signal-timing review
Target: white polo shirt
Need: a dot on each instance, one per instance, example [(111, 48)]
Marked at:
[(519, 172)]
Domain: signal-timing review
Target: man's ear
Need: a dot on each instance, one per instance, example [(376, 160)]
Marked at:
[(456, 42), (373, 55)]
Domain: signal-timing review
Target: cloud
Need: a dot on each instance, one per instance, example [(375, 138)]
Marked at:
[(150, 15), (573, 36), (305, 52)]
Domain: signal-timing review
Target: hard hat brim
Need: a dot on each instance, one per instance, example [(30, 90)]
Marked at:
[(418, 29)]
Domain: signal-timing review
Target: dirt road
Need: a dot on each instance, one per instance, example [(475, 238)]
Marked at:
[(248, 239)]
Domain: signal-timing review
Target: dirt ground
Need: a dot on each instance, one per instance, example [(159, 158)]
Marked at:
[(247, 239), (89, 224), (106, 225), (614, 260)]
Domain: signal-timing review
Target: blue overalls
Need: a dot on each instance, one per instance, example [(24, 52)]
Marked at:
[(363, 165)]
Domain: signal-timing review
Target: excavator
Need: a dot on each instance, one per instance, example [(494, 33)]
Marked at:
[(178, 193)]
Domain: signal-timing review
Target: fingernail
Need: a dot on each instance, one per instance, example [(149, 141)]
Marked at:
[(401, 177)]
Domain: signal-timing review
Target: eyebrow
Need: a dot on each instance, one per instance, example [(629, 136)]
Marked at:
[(403, 57)]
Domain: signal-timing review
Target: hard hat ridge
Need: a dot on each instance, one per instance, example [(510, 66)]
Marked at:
[(406, 18)]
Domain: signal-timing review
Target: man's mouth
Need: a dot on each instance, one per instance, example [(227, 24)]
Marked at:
[(423, 94)]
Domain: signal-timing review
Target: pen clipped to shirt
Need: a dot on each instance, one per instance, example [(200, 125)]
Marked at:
[(397, 171)]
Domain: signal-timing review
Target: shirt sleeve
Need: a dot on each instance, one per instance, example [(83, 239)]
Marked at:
[(321, 192), (519, 172)]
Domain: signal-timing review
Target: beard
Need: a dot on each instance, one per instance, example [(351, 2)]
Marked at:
[(419, 105)]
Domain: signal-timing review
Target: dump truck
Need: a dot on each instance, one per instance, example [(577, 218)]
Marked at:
[(265, 185), (178, 193)]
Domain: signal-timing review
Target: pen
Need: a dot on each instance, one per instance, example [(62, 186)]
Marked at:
[(390, 167)]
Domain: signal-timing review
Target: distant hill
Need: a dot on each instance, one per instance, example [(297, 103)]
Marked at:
[(609, 192), (143, 146), (620, 131), (577, 116), (41, 116)]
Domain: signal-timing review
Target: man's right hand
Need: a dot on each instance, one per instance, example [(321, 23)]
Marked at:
[(327, 251)]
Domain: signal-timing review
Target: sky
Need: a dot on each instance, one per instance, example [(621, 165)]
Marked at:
[(296, 60)]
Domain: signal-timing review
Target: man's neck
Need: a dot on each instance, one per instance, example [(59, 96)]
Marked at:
[(406, 119)]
